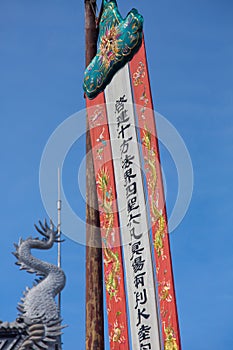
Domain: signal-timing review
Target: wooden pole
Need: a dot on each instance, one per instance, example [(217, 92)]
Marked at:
[(94, 289)]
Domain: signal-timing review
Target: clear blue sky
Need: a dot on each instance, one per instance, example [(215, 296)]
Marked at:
[(190, 54)]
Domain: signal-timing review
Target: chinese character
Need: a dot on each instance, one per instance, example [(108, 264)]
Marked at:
[(136, 250), (144, 332), (133, 233), (122, 118), (142, 314), (139, 279), (132, 219), (119, 105), (131, 189), (138, 264), (131, 204), (141, 298), (125, 146), (122, 131), (128, 176), (127, 161)]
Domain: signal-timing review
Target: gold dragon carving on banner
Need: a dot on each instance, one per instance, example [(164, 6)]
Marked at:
[(111, 258)]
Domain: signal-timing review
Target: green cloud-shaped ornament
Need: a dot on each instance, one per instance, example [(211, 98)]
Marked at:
[(119, 39)]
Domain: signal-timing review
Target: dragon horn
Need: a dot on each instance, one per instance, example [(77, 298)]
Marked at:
[(41, 225), (40, 231), (51, 224), (46, 225)]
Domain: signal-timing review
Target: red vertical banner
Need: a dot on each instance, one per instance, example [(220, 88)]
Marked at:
[(109, 225), (148, 138)]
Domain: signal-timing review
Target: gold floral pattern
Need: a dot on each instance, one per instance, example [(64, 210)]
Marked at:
[(170, 341), (116, 335), (139, 74), (165, 292)]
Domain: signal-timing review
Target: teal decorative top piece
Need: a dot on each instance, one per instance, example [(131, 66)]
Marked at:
[(119, 39)]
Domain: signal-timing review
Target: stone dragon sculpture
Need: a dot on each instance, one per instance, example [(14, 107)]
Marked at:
[(39, 318)]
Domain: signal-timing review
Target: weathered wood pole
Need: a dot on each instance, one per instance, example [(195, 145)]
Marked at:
[(94, 290)]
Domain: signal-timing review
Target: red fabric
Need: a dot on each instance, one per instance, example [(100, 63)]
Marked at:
[(110, 233), (146, 121)]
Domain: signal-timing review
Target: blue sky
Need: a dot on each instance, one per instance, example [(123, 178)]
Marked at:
[(189, 47)]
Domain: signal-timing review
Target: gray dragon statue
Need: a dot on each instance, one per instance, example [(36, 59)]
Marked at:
[(39, 322)]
